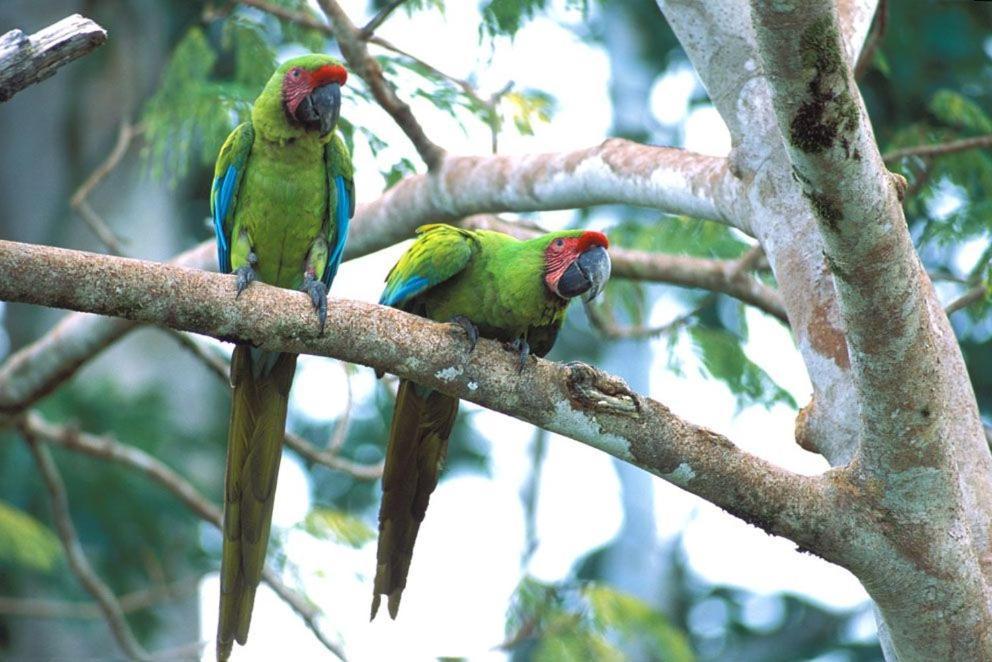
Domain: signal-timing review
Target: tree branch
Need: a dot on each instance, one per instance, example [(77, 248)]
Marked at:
[(37, 369), (919, 427), (79, 200), (615, 172), (886, 312), (574, 400), (973, 295), (27, 60), (129, 602), (300, 18), (355, 51), (380, 18), (107, 448), (78, 563), (939, 149)]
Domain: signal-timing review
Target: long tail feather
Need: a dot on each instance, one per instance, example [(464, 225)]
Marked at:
[(418, 441), (258, 422)]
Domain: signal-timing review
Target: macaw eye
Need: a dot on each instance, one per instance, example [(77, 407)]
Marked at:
[(296, 73), (559, 243)]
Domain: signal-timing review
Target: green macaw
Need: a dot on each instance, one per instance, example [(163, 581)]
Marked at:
[(281, 201), (492, 285)]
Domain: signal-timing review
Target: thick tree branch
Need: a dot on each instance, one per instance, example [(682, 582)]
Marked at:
[(615, 172), (27, 60), (576, 400), (107, 448), (78, 562), (891, 333), (37, 369), (918, 426), (355, 51)]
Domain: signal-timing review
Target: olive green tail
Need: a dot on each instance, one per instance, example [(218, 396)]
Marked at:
[(261, 384), (418, 441)]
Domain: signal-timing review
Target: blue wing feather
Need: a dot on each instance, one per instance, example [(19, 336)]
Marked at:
[(231, 164), (402, 290), (224, 190), (343, 218)]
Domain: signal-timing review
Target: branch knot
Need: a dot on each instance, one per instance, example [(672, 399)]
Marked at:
[(596, 392)]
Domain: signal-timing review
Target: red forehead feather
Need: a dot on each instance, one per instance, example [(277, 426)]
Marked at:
[(592, 238), (329, 73)]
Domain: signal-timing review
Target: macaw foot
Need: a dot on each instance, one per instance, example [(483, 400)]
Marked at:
[(318, 297), (522, 348), (246, 273), (471, 330)]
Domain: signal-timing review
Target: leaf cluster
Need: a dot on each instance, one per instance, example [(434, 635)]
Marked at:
[(589, 620)]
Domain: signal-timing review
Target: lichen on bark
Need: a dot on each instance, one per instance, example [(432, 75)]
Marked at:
[(829, 111)]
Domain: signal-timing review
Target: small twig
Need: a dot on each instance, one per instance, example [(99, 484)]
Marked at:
[(469, 90), (976, 293), (343, 425), (530, 492), (27, 60), (377, 20), (328, 458), (939, 149), (75, 555), (105, 447), (129, 602), (190, 651), (355, 51), (300, 18), (604, 322), (79, 200)]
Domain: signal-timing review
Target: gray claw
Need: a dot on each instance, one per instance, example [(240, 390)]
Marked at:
[(471, 330), (520, 346), (245, 273), (318, 297)]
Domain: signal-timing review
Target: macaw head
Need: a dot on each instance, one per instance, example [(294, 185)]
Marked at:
[(576, 263), (303, 95)]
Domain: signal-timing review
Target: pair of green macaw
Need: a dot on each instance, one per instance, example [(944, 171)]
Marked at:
[(281, 201)]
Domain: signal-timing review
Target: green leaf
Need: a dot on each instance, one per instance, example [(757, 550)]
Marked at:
[(339, 526), (635, 619), (959, 111), (724, 359), (590, 621), (506, 17), (25, 541), (681, 235), (529, 106)]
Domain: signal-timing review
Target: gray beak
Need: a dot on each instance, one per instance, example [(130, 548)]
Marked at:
[(327, 106), (586, 276)]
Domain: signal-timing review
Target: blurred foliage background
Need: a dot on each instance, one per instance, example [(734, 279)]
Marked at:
[(185, 73)]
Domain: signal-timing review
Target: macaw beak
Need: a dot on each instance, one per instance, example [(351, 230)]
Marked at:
[(321, 107), (586, 276)]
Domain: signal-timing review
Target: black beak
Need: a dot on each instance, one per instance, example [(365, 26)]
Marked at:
[(586, 276), (321, 108)]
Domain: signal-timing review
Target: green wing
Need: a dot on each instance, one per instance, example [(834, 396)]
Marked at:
[(228, 173), (440, 252)]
